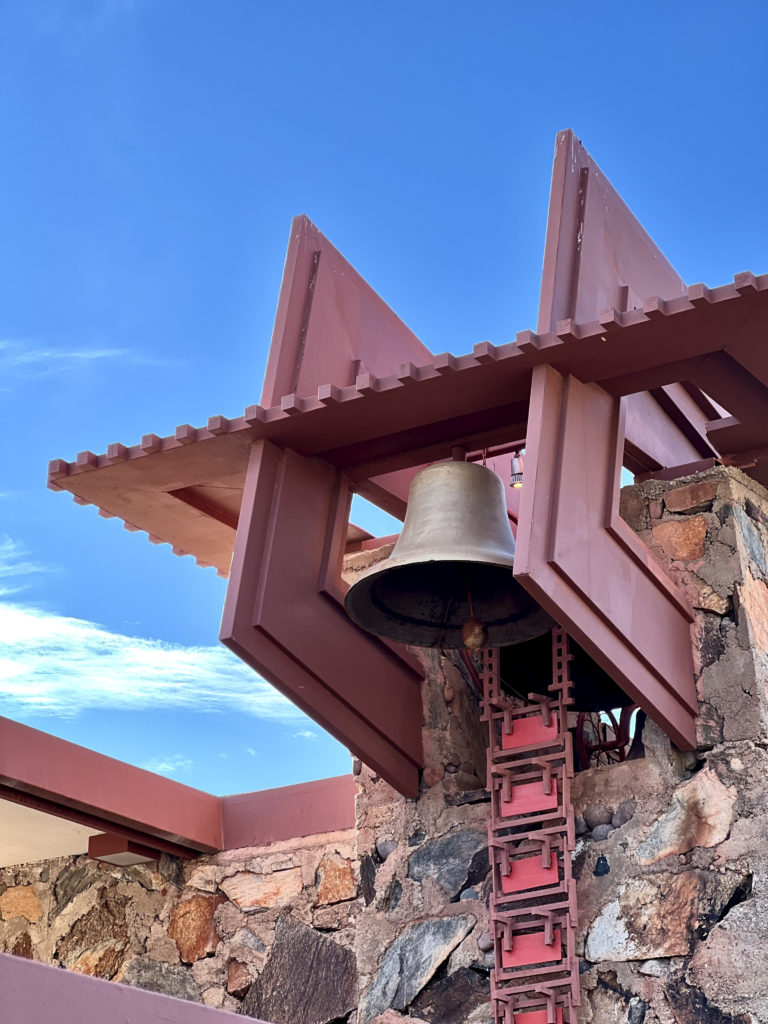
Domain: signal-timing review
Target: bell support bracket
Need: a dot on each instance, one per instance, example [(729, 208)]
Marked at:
[(585, 565), (331, 325), (284, 615), (599, 258)]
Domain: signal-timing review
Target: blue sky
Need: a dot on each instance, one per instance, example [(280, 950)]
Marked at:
[(154, 154)]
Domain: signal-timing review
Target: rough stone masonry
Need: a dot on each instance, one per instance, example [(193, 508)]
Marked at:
[(388, 920)]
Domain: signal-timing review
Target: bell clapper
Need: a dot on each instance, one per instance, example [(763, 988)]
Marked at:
[(474, 635)]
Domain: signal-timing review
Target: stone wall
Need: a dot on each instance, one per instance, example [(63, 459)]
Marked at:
[(422, 939), (390, 920), (388, 915), (672, 863), (200, 930)]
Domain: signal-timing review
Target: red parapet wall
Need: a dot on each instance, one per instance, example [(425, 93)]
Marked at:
[(72, 782), (254, 819)]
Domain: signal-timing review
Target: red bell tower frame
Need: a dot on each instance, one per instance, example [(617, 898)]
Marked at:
[(628, 366)]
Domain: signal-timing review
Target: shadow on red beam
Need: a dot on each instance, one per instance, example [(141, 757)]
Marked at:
[(40, 994), (431, 441), (675, 472), (57, 810), (370, 544)]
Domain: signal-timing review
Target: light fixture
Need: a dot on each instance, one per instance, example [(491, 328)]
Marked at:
[(516, 480)]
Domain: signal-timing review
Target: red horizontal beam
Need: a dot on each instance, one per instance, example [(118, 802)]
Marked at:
[(634, 356), (39, 994), (71, 782), (311, 808), (92, 820), (35, 763)]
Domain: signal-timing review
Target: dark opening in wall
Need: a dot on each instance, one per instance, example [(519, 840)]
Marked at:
[(604, 725)]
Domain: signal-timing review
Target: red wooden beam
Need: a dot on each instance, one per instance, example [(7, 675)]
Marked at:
[(67, 777), (288, 812), (71, 782), (41, 994), (582, 562), (284, 616), (376, 430)]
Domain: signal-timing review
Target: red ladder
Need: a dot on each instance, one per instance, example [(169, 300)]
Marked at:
[(531, 836)]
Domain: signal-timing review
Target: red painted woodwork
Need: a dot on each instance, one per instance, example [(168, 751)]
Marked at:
[(529, 731), (530, 798), (597, 254), (116, 849), (657, 436), (578, 558), (530, 949), (369, 432), (288, 812), (531, 854), (528, 873), (537, 1017), (41, 994), (330, 326), (71, 781), (598, 257), (284, 616)]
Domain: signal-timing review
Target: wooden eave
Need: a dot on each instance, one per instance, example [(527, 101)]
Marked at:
[(186, 489)]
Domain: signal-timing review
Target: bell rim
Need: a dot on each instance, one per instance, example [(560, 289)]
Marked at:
[(429, 540), (388, 564), (426, 634)]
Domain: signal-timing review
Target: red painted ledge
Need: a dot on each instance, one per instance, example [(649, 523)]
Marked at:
[(70, 778), (72, 782), (40, 994), (267, 816)]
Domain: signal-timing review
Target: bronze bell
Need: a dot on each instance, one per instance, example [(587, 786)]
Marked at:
[(448, 582)]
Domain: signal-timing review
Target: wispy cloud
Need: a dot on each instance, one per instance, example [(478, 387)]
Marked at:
[(15, 567), (176, 764), (55, 665), (13, 559), (58, 665), (305, 734), (17, 353), (26, 358)]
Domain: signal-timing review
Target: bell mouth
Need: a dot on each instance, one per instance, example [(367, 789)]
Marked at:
[(426, 604)]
